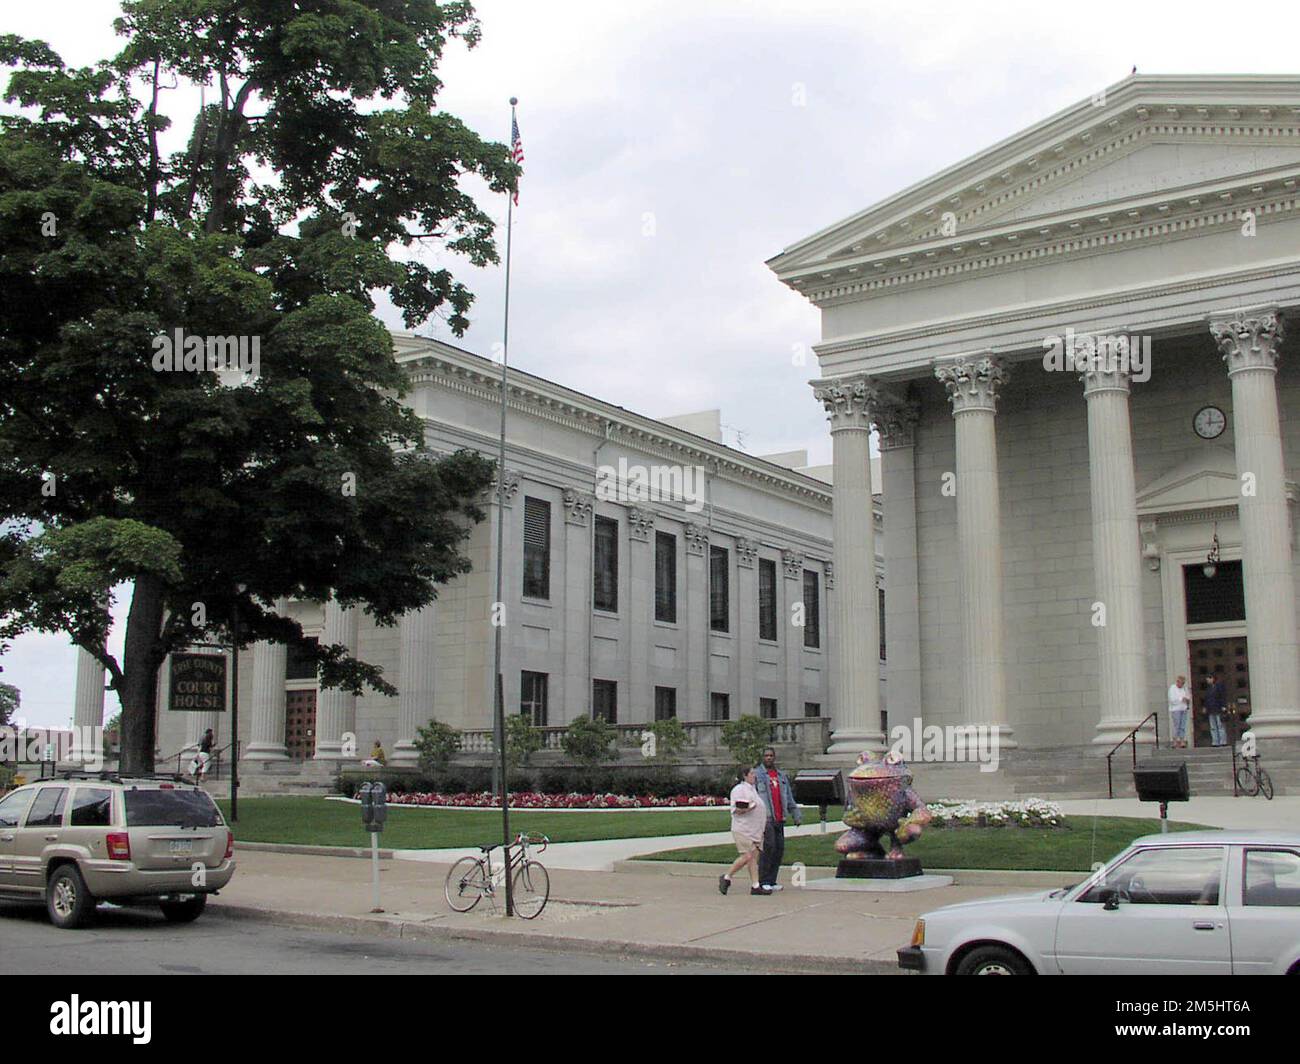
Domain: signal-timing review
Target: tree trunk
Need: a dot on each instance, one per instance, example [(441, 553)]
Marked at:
[(140, 661)]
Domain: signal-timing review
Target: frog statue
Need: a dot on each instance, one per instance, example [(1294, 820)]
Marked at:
[(881, 802)]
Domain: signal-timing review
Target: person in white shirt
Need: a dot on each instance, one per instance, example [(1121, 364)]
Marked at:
[(748, 822), (1180, 704)]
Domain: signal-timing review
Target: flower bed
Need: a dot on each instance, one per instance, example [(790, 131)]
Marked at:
[(533, 800), (1028, 813)]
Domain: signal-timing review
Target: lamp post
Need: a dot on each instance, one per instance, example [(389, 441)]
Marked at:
[(234, 705)]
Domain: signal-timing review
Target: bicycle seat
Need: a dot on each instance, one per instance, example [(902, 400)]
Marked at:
[(489, 849)]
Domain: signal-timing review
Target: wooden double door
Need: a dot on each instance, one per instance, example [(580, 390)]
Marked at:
[(1228, 655), (300, 724)]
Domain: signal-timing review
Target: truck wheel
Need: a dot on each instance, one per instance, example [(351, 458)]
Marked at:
[(993, 960), (184, 912), (67, 900)]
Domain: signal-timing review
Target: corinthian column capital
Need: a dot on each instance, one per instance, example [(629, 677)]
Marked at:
[(896, 422), (848, 400), (972, 382), (1249, 339)]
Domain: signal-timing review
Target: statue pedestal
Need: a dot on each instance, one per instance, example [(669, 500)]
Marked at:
[(876, 868)]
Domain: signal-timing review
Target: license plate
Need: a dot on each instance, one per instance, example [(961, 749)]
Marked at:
[(181, 845)]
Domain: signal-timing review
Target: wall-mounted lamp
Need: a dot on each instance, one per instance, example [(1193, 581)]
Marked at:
[(1211, 565)]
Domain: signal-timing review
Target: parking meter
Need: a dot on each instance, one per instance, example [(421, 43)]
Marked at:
[(367, 805), (378, 806)]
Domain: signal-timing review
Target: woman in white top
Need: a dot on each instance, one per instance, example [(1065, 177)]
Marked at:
[(748, 821), (1180, 702)]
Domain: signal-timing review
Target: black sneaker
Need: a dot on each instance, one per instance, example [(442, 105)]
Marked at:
[(724, 884), (759, 892)]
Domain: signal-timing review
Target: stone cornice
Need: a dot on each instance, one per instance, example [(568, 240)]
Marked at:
[(430, 362)]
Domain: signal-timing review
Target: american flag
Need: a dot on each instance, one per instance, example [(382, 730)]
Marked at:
[(516, 150)]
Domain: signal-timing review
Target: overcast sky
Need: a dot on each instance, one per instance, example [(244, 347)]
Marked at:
[(672, 147)]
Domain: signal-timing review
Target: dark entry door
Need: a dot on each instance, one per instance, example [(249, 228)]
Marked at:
[(300, 724), (1206, 655)]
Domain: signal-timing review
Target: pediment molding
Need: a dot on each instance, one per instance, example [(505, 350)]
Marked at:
[(1203, 487), (908, 239)]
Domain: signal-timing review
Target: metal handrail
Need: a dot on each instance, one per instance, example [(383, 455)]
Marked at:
[(1131, 737)]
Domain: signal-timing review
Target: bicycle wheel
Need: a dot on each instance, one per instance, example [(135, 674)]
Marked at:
[(1265, 784), (532, 888), (466, 884), (1246, 782)]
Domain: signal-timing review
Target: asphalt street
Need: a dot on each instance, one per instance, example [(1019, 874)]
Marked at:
[(140, 942)]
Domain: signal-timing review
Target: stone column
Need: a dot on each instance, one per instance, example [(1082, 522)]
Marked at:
[(972, 384), (336, 709), (747, 625), (855, 640), (416, 676), (572, 700), (791, 705), (896, 425), (697, 623), (1116, 549), (270, 662), (87, 705), (1249, 341), (639, 609)]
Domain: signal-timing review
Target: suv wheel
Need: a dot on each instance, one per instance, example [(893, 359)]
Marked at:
[(67, 900), (184, 912), (993, 960)]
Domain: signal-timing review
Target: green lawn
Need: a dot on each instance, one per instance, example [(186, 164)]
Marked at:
[(317, 822), (1071, 849)]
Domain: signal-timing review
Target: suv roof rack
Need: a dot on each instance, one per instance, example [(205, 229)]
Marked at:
[(118, 777)]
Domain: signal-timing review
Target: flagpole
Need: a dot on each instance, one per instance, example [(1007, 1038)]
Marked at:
[(498, 621)]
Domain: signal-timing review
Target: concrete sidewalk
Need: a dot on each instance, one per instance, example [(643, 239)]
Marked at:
[(650, 914)]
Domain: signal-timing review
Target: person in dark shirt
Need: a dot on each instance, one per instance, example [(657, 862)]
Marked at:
[(1216, 701)]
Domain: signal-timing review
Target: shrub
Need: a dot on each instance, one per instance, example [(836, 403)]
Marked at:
[(522, 740), (670, 740), (588, 740), (747, 737), (436, 743)]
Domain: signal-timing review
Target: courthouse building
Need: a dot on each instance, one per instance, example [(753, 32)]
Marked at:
[(650, 572), (1062, 533)]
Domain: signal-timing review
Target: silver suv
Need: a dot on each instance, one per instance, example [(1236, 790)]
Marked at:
[(79, 839)]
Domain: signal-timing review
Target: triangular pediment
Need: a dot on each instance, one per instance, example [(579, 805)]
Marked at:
[(1204, 482), (1147, 150)]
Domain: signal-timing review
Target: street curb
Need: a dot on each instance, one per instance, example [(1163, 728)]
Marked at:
[(310, 851), (964, 877), (389, 927)]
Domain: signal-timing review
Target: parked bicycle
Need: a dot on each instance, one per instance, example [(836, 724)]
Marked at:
[(473, 878), (1252, 778)]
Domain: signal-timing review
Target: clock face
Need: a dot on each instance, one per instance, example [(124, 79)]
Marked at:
[(1209, 422)]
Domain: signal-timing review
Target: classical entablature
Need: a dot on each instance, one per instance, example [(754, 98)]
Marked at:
[(1188, 187)]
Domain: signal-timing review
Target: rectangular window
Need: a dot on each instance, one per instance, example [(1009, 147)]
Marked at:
[(299, 665), (532, 697), (665, 703), (604, 700), (719, 706), (47, 810), (605, 574), (92, 807), (880, 599), (719, 602), (812, 610), (766, 598), (666, 577), (537, 548), (812, 709), (767, 708)]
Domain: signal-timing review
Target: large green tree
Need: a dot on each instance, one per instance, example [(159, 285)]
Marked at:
[(317, 155)]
